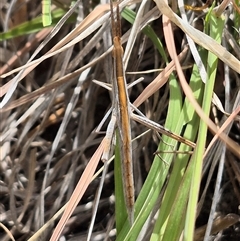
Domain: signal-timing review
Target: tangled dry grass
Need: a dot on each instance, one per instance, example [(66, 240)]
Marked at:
[(48, 126)]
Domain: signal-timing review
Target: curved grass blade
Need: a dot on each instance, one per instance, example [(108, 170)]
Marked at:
[(35, 25), (216, 25)]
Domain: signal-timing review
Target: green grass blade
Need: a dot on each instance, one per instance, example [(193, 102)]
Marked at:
[(176, 219), (34, 25), (236, 22), (215, 25), (189, 117), (130, 16), (46, 13), (120, 206)]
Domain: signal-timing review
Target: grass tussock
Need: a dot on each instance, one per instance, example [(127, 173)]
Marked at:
[(56, 75)]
